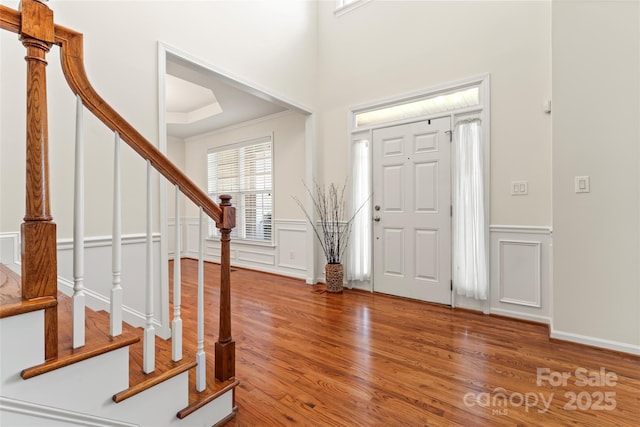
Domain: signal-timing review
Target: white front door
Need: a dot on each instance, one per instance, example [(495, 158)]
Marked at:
[(412, 210)]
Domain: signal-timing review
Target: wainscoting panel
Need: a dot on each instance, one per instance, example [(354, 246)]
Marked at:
[(291, 249), (286, 256), (521, 272), (98, 276), (10, 248), (171, 233)]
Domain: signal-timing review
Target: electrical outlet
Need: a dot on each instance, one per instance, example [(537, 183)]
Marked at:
[(292, 255)]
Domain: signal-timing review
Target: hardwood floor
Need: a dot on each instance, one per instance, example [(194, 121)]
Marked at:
[(305, 357)]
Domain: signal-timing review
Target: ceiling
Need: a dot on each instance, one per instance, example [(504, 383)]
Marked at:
[(199, 100)]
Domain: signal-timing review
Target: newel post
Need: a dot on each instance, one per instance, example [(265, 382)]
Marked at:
[(39, 269), (225, 346)]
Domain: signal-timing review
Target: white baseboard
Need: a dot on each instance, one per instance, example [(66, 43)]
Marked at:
[(522, 316), (594, 342)]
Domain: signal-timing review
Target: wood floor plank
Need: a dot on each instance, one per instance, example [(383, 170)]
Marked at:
[(304, 357)]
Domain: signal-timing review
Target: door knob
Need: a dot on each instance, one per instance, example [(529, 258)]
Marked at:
[(376, 218), (377, 207)]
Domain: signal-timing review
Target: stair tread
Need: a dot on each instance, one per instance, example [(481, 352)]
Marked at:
[(11, 302)]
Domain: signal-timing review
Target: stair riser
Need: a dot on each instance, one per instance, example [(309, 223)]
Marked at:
[(21, 346)]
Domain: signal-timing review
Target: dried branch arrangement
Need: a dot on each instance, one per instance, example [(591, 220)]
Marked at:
[(330, 207)]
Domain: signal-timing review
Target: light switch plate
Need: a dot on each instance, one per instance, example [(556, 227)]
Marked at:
[(519, 188), (582, 184)]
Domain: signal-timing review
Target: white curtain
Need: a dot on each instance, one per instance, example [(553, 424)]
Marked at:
[(469, 234), (359, 265)]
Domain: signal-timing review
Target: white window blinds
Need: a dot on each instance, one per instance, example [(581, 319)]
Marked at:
[(244, 171)]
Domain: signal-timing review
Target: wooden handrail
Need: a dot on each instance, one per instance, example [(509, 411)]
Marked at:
[(9, 19), (72, 58)]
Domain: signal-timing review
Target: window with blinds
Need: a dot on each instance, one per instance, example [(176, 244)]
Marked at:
[(244, 171)]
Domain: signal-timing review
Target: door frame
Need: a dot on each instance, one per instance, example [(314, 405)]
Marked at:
[(482, 111), (164, 50)]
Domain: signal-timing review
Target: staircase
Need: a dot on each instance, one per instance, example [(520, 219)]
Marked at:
[(100, 384), (62, 363)]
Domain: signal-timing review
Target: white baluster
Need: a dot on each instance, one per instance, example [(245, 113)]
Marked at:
[(115, 326), (149, 360), (176, 324), (78, 299), (201, 359)]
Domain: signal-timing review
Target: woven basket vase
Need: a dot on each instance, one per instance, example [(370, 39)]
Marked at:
[(334, 274)]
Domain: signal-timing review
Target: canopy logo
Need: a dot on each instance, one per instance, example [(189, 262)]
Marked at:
[(500, 400)]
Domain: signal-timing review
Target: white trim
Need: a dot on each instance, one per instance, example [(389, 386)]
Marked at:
[(343, 9), (502, 244), (165, 49), (482, 81), (539, 261), (102, 241), (55, 414), (162, 186), (235, 80), (526, 229), (310, 151), (594, 342), (482, 110), (239, 125), (523, 316)]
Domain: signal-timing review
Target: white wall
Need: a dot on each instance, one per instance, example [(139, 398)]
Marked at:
[(387, 48), (596, 235)]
